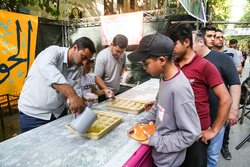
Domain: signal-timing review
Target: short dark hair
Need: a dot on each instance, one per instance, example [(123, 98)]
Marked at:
[(218, 30), (170, 57), (121, 41), (83, 43), (180, 32), (233, 41), (91, 61), (207, 28)]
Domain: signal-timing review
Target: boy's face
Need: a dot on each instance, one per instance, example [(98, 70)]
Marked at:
[(152, 66), (179, 50), (87, 67), (209, 37)]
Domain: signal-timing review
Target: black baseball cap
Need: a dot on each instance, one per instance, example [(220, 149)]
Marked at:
[(152, 45)]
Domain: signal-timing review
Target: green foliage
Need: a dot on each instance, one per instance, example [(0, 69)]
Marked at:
[(220, 11), (244, 41), (12, 5), (246, 16)]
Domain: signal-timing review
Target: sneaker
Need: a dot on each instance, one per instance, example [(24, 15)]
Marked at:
[(225, 153)]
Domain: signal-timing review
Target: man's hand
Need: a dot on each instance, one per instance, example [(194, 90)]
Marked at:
[(76, 104), (109, 93), (232, 118), (149, 105), (124, 77), (207, 135)]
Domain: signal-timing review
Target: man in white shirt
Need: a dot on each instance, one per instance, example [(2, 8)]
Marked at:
[(52, 79)]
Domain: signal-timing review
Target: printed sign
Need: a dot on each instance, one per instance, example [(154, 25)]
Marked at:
[(236, 31), (17, 49)]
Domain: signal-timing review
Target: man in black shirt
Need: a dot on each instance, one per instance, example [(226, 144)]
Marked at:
[(229, 74)]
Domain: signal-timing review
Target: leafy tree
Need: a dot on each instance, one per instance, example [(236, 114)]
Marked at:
[(244, 41), (12, 5), (219, 10)]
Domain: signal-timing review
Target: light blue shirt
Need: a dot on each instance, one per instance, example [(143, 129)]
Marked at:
[(38, 98)]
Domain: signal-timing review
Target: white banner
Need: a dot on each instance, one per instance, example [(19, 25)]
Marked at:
[(129, 24), (236, 31)]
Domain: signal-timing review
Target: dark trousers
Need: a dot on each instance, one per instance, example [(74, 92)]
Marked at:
[(196, 155), (27, 122), (226, 136)]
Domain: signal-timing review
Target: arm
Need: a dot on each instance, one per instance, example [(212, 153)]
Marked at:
[(151, 115), (124, 69), (76, 102), (239, 69), (124, 75), (149, 105), (102, 86), (48, 68), (100, 83), (100, 71), (188, 130), (97, 91), (237, 61), (231, 79), (225, 102), (235, 92)]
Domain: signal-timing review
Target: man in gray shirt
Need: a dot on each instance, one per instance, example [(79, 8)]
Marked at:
[(219, 46), (52, 79), (111, 64)]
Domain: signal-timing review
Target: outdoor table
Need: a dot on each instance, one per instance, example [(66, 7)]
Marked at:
[(52, 145)]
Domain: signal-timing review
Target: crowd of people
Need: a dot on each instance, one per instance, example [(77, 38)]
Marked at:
[(197, 101)]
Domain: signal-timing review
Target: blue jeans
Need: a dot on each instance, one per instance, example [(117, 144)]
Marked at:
[(27, 122), (214, 148)]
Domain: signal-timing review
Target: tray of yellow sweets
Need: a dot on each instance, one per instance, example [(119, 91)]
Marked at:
[(126, 105), (104, 123)]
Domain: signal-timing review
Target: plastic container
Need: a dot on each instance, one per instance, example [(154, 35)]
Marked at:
[(104, 123), (83, 121)]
